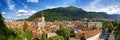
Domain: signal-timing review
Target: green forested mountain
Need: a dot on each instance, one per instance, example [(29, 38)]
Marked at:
[(70, 13)]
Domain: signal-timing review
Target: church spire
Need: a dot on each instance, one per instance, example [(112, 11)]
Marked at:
[(42, 14), (43, 18)]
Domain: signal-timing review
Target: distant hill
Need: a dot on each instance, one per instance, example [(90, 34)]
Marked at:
[(71, 13)]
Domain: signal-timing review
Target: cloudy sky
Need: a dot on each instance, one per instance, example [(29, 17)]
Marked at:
[(19, 9)]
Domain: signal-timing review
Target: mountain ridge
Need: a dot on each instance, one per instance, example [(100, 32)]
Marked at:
[(70, 13)]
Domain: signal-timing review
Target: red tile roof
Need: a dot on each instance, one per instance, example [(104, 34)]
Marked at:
[(37, 20), (91, 33), (19, 24), (87, 33)]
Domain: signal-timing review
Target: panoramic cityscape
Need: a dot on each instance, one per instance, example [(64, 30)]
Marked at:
[(59, 20)]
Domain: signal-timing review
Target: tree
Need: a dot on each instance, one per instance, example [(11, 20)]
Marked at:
[(117, 30), (25, 26), (17, 34), (104, 24), (43, 37), (4, 32), (82, 37), (36, 39), (12, 33), (56, 38), (118, 37), (27, 34), (115, 23), (65, 32), (110, 27)]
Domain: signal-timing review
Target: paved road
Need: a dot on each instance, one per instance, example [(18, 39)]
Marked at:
[(112, 37)]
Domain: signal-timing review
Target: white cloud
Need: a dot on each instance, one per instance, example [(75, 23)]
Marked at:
[(21, 10), (50, 7), (25, 13), (33, 11), (114, 9), (97, 7), (19, 15), (10, 5), (3, 13), (93, 5), (33, 1)]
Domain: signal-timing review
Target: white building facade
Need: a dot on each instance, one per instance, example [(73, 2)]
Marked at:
[(95, 37), (95, 24)]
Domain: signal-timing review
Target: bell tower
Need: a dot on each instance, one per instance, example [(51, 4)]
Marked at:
[(43, 18)]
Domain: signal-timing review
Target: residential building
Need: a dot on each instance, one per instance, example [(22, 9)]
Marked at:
[(95, 24), (50, 34), (88, 34)]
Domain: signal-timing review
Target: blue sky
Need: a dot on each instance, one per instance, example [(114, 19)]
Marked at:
[(19, 9)]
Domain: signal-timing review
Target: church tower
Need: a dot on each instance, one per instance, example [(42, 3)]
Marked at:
[(43, 18)]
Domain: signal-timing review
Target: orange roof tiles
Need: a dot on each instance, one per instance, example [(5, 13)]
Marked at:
[(91, 33), (87, 33), (37, 20), (35, 31)]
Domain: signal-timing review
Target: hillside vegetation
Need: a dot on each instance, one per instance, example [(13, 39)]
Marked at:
[(70, 13)]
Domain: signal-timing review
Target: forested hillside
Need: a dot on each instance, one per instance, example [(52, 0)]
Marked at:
[(70, 13)]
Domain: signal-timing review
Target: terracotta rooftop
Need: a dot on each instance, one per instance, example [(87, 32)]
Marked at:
[(37, 20), (35, 32), (87, 33), (91, 33)]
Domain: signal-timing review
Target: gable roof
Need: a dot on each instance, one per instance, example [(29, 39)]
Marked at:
[(37, 20), (87, 33)]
